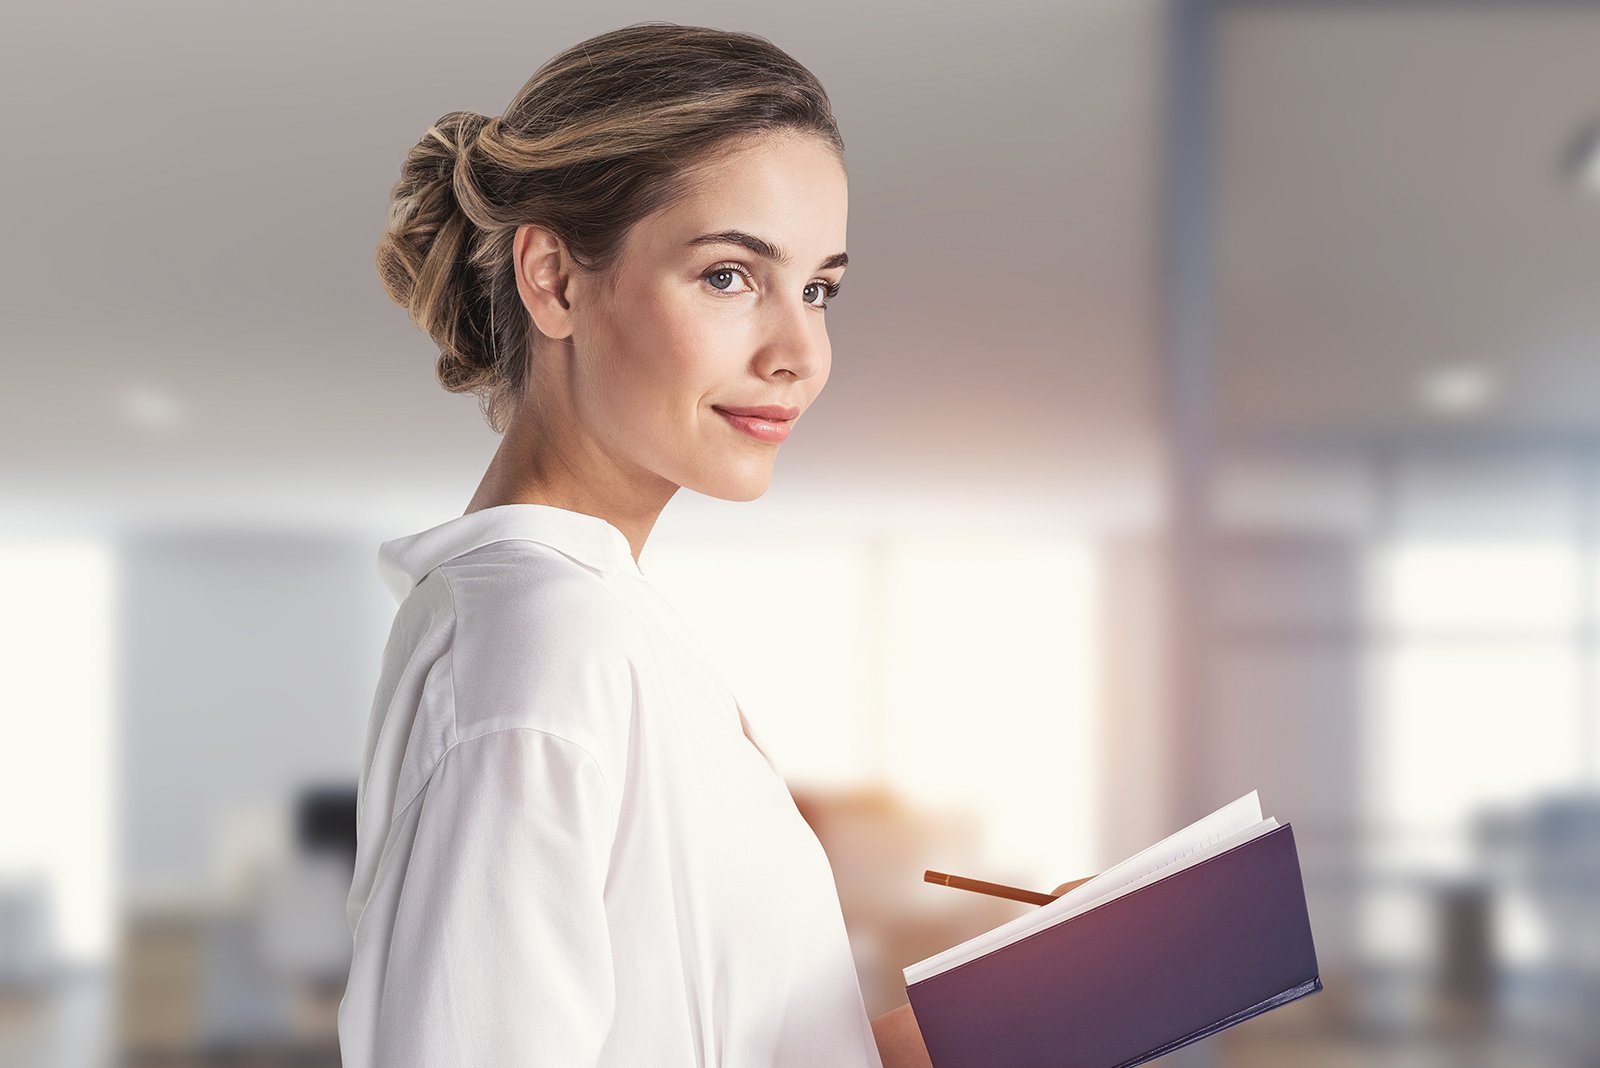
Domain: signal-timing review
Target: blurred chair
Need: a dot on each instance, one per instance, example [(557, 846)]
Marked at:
[(258, 970)]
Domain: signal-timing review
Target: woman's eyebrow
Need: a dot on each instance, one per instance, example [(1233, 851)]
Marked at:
[(760, 247)]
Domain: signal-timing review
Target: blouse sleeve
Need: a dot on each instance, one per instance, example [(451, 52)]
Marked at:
[(501, 955)]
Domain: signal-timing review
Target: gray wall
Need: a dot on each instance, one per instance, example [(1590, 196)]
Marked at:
[(248, 663)]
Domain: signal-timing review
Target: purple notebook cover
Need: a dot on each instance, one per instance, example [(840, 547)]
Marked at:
[(1139, 976)]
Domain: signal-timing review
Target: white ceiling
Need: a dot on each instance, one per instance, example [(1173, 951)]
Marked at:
[(1392, 203)]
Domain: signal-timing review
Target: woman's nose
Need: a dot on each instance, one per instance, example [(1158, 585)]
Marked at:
[(800, 345)]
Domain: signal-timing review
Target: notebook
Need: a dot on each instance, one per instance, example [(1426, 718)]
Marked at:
[(1201, 931)]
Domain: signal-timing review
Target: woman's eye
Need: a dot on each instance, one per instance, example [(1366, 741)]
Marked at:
[(721, 278), (828, 292)]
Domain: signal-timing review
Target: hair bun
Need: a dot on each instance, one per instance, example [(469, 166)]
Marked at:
[(421, 256), (457, 131)]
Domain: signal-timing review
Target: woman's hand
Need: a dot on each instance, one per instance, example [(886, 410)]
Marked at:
[(900, 1039)]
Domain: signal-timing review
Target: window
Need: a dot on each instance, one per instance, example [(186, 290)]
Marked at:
[(56, 655)]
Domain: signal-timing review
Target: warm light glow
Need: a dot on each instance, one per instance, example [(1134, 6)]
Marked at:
[(962, 674), (993, 693), (798, 666)]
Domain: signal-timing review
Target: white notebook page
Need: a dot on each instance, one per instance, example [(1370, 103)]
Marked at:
[(1231, 825)]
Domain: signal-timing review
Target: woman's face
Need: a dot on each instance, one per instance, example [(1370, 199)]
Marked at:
[(695, 321)]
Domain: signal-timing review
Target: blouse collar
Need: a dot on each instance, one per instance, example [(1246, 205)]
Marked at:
[(404, 562)]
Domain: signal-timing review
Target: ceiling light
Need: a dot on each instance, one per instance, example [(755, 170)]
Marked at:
[(153, 409), (1457, 391)]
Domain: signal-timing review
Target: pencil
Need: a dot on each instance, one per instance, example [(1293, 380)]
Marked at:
[(997, 889)]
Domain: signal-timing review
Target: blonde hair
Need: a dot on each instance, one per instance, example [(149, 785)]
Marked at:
[(601, 136)]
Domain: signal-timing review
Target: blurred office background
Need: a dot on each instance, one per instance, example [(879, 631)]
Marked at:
[(1215, 407)]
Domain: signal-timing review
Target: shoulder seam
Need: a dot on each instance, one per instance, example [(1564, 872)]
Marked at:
[(423, 786), (455, 634), (455, 615)]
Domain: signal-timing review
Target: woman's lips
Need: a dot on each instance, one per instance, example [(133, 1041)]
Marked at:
[(768, 430)]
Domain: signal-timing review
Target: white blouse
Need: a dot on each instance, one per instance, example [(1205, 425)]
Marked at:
[(570, 851)]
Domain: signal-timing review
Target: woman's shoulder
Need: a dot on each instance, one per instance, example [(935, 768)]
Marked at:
[(540, 641), (531, 592)]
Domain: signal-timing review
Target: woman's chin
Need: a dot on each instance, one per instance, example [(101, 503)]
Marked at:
[(737, 485)]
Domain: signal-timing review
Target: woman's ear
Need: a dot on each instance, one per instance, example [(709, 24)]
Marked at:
[(545, 279)]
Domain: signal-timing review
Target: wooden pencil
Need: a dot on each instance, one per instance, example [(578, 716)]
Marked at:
[(1015, 893)]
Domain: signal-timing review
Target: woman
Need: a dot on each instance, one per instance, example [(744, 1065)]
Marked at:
[(572, 850)]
